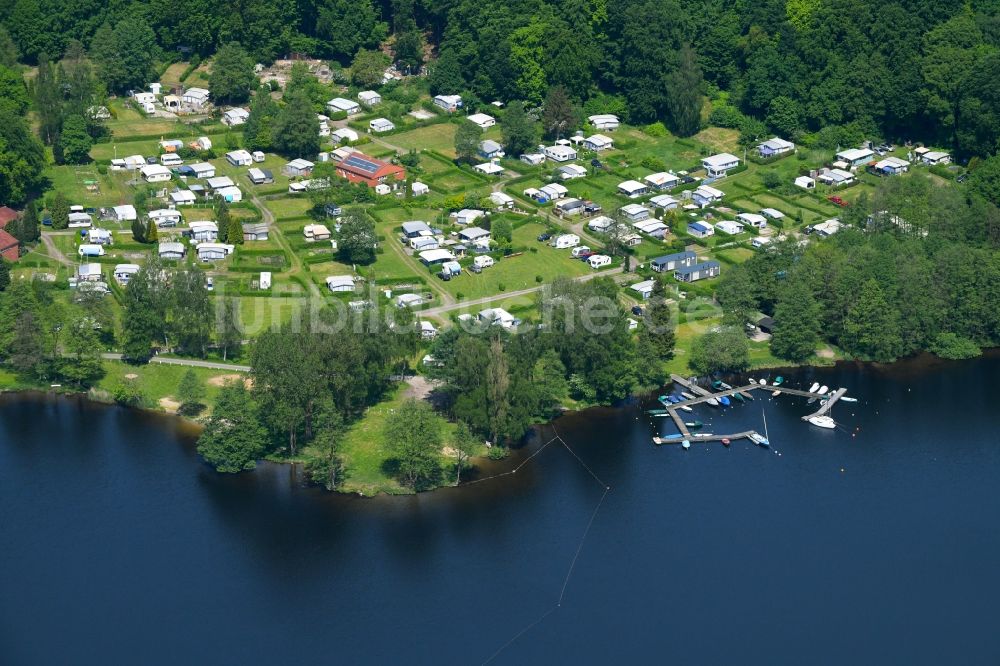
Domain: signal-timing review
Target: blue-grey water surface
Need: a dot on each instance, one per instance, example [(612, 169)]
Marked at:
[(876, 543)]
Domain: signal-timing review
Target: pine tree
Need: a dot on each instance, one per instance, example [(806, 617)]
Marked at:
[(222, 218), (191, 393), (234, 232), (497, 390), (518, 130), (871, 327), (59, 210), (25, 228), (559, 116), (152, 233), (138, 230), (796, 321), (684, 100)]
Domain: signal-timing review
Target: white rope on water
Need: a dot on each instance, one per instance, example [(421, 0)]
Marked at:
[(579, 547)]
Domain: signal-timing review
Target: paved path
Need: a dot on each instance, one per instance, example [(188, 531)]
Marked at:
[(442, 309), (189, 362), (53, 251)]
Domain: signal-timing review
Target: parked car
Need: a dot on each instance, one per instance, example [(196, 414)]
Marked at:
[(586, 254), (637, 310), (544, 237), (475, 269), (596, 164), (686, 179), (838, 201), (445, 275), (962, 178), (210, 283), (152, 160)]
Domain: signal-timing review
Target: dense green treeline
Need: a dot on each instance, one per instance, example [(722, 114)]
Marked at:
[(911, 69), (917, 271)]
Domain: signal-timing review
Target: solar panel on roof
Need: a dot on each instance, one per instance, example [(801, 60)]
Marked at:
[(361, 163)]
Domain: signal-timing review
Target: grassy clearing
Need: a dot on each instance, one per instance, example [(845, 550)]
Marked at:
[(515, 273), (258, 314), (439, 138), (159, 381), (364, 451), (288, 207)]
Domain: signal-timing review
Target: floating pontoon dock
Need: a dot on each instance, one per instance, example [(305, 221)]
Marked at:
[(704, 395)]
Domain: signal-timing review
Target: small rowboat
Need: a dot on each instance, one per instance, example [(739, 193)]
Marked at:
[(752, 380), (776, 394), (778, 381), (846, 399), (763, 382), (687, 396), (686, 444), (814, 387), (725, 441), (724, 400), (713, 402), (685, 408)]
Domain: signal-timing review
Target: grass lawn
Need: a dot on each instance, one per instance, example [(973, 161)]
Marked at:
[(72, 181), (719, 139), (160, 381), (257, 314), (439, 138), (520, 272), (736, 255), (389, 265), (364, 451), (288, 207)]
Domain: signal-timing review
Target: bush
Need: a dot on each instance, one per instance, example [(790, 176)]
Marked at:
[(653, 164), (951, 346), (656, 129), (726, 116), (771, 179), (128, 393), (539, 279), (497, 452)]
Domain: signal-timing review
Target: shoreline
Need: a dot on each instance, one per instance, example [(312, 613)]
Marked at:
[(191, 428)]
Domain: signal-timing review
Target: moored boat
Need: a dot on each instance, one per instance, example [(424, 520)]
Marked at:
[(686, 444), (776, 394), (752, 380), (848, 399), (687, 396), (763, 382), (725, 441), (724, 400), (814, 387), (778, 381), (713, 402), (694, 424), (738, 397), (685, 408), (823, 422), (823, 389)]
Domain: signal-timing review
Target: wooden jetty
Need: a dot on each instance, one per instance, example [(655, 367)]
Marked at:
[(704, 395), (825, 407)]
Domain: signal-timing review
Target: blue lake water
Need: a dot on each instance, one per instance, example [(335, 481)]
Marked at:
[(878, 542)]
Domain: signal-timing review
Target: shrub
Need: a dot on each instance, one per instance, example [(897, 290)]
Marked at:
[(951, 346), (128, 393), (653, 164), (497, 452), (771, 179), (539, 279), (657, 129), (726, 116)]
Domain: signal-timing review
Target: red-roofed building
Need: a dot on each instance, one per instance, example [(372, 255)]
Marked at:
[(8, 246), (7, 215), (359, 168)]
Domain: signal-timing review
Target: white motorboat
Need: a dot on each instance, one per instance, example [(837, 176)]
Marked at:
[(848, 399), (686, 444), (763, 382), (687, 396), (776, 394), (823, 422), (713, 402), (823, 389), (814, 387), (752, 380), (685, 408)]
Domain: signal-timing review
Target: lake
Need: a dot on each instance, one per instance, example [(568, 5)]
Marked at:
[(878, 542)]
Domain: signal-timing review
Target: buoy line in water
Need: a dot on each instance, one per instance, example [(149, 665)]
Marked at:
[(579, 547)]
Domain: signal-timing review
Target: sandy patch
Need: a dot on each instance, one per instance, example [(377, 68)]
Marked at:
[(131, 375), (222, 380), (418, 387), (169, 404), (825, 352)]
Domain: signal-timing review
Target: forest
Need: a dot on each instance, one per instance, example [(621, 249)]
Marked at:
[(817, 71)]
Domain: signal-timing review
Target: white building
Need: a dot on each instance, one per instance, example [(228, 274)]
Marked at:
[(196, 98), (485, 121), (369, 98), (449, 103), (774, 147), (124, 272), (598, 142), (214, 251), (172, 250), (753, 219), (340, 283), (316, 232), (124, 213), (664, 202), (805, 182), (239, 158), (633, 189), (203, 170), (155, 173), (560, 153), (339, 104), (565, 241), (90, 250), (344, 135), (718, 165), (204, 230), (419, 189), (165, 217), (604, 121), (662, 181), (705, 195), (234, 117), (380, 125)]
